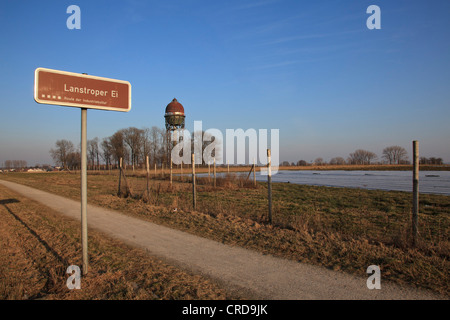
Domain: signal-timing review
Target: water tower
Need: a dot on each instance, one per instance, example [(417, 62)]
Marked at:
[(174, 122)]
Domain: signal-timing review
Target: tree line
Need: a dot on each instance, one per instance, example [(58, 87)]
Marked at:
[(390, 155), (131, 144), (14, 164), (432, 160)]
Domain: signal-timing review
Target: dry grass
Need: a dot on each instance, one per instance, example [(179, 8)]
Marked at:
[(37, 245), (245, 169), (342, 229)]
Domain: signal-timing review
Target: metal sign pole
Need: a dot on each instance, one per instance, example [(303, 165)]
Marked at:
[(84, 239)]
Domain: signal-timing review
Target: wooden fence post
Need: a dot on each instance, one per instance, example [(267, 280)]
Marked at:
[(171, 170), (148, 177), (269, 184), (254, 172), (415, 204), (214, 172), (194, 200), (119, 192)]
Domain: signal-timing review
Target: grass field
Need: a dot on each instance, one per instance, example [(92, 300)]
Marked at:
[(342, 229), (37, 245)]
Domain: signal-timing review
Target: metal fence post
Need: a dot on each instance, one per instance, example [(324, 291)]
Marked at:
[(84, 238)]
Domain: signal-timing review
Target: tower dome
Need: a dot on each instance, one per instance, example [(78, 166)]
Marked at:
[(174, 108)]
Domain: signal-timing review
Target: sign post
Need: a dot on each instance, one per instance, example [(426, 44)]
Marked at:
[(86, 92), (84, 239)]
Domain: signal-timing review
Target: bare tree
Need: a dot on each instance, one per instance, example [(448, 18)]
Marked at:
[(61, 152), (163, 151), (93, 152), (337, 161), (319, 162), (118, 149), (214, 151), (146, 145), (361, 157), (15, 164), (432, 160), (395, 154), (156, 139), (107, 151), (8, 164), (133, 137), (74, 160)]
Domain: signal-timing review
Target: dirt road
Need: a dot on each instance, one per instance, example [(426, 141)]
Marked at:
[(250, 273)]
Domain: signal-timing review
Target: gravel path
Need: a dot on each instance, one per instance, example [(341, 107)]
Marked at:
[(246, 272)]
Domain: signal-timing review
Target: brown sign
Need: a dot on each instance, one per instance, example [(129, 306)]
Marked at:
[(79, 90)]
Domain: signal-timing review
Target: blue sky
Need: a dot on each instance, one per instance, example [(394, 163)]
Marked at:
[(309, 68)]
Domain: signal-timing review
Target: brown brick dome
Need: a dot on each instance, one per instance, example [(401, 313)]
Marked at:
[(174, 108)]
